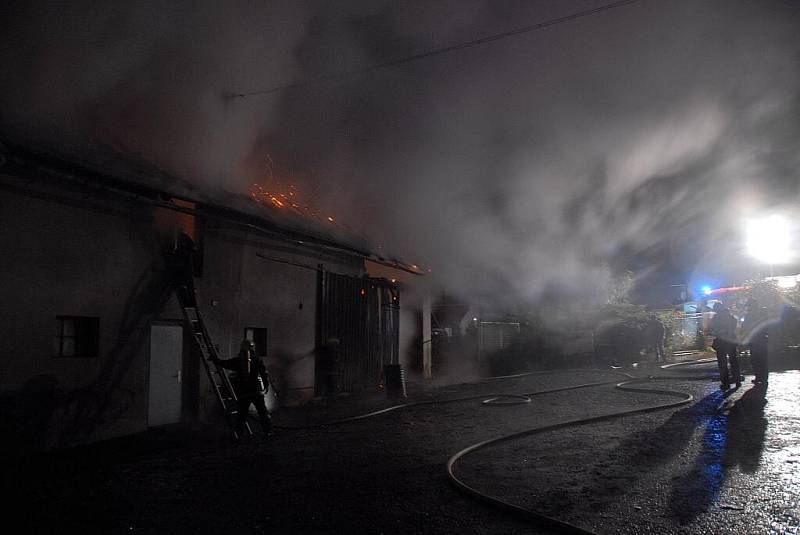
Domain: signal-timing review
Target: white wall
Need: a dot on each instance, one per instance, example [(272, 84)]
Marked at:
[(63, 260), (70, 255), (72, 260), (252, 281)]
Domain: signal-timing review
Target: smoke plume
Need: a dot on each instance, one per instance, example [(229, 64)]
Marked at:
[(637, 137)]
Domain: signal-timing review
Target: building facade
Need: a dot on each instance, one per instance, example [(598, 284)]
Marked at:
[(93, 339)]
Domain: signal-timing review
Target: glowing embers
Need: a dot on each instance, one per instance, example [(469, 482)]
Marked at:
[(285, 197)]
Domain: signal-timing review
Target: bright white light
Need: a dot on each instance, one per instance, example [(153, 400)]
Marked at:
[(786, 282), (706, 290), (768, 239)]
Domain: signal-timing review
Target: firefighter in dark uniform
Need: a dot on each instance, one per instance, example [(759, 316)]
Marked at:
[(250, 381), (182, 269), (723, 328), (655, 333), (755, 335)]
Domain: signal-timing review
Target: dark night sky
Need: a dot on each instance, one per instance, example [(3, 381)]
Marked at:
[(640, 136)]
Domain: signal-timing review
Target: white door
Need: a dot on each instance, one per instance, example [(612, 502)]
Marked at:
[(166, 355)]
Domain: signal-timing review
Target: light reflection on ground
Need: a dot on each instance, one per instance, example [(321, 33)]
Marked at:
[(750, 459)]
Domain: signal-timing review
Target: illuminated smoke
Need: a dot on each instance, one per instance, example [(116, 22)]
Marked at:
[(526, 166), (515, 169)]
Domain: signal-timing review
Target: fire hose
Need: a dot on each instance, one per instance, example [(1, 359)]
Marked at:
[(548, 521), (504, 398), (487, 399)]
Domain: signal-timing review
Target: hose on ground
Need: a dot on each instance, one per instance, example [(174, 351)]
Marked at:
[(495, 399), (488, 399), (542, 519), (505, 398)]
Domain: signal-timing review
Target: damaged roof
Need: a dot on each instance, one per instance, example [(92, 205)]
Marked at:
[(102, 165)]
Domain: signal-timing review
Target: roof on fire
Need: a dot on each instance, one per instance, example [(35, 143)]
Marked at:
[(104, 166)]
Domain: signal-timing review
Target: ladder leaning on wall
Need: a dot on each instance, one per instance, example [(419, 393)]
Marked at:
[(216, 374), (181, 269)]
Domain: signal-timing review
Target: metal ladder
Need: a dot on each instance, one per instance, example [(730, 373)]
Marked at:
[(226, 395)]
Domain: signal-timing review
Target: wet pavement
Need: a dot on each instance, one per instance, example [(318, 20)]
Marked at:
[(752, 456), (697, 468), (709, 467)]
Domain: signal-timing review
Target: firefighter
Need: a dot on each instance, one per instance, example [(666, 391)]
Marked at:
[(756, 336), (655, 334), (182, 269), (723, 328), (250, 381)]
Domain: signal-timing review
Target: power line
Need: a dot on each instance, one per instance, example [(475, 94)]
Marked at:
[(436, 52)]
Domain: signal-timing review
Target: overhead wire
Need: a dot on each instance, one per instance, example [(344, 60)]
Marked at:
[(435, 52)]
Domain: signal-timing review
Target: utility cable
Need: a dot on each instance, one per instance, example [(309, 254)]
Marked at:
[(435, 52)]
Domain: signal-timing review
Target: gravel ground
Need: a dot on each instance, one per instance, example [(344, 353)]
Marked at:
[(690, 469)]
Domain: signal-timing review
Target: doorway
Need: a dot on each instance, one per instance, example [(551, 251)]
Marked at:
[(166, 374), (363, 313)]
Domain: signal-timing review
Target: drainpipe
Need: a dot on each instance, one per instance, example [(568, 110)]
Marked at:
[(427, 372)]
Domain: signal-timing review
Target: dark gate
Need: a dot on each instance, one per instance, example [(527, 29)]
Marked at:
[(364, 314)]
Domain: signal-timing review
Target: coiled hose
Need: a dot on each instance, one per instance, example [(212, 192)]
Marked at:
[(627, 386), (505, 398)]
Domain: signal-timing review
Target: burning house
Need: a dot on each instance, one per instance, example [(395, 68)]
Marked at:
[(95, 341)]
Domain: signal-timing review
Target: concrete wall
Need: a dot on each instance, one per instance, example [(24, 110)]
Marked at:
[(64, 259), (67, 254), (252, 281)]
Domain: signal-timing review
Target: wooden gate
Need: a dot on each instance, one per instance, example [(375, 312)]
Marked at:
[(364, 314)]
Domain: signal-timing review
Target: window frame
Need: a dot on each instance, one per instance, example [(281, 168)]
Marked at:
[(85, 337)]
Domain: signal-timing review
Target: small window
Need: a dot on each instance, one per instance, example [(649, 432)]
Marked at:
[(257, 335), (77, 336)]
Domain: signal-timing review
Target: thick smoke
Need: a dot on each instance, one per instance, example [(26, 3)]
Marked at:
[(526, 165), (150, 78), (635, 137)]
